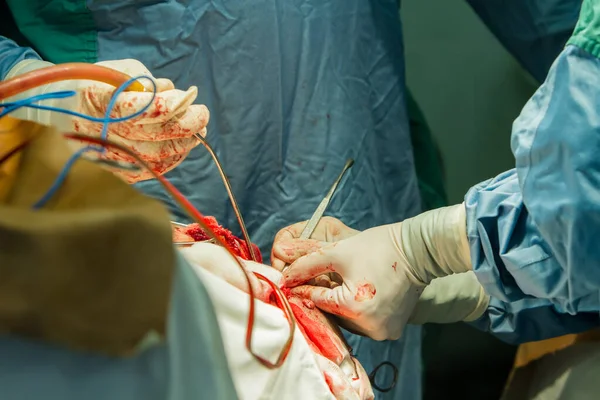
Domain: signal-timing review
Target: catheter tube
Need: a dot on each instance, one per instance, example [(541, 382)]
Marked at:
[(62, 72)]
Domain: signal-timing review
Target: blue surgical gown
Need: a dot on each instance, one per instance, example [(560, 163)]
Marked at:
[(533, 231), (190, 362)]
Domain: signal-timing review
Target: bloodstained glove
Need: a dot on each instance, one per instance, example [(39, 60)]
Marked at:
[(382, 270), (162, 135)]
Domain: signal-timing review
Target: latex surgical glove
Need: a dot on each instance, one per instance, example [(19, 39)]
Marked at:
[(287, 247), (453, 298), (162, 136), (384, 270)]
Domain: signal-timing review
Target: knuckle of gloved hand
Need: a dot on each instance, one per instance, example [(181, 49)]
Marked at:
[(203, 112)]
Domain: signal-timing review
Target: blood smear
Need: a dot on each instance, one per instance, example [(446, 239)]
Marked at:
[(366, 291), (329, 381), (195, 233), (318, 330)]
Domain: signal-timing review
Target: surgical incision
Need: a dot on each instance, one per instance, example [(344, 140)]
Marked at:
[(323, 336)]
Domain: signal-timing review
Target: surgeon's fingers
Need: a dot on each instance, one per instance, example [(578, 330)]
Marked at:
[(161, 167), (339, 384), (331, 301), (286, 251), (155, 151), (290, 232), (168, 115), (162, 85), (322, 281), (193, 120), (309, 267), (165, 106)]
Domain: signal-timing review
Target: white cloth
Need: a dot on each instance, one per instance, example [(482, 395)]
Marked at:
[(298, 378)]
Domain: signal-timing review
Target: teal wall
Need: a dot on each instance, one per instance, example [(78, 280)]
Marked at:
[(469, 88)]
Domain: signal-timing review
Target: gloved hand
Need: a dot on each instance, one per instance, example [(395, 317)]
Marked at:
[(453, 298), (287, 248), (162, 135), (383, 269)]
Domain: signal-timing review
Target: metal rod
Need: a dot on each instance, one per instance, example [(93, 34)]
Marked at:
[(179, 224), (236, 209)]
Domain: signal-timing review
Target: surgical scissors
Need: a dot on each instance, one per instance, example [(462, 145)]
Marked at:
[(318, 214), (307, 233)]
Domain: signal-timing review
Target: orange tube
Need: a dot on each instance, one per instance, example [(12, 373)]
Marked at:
[(62, 72)]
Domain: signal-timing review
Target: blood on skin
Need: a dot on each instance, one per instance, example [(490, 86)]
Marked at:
[(317, 330), (317, 334), (197, 234), (334, 307), (366, 291), (329, 381), (313, 347), (395, 265)]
